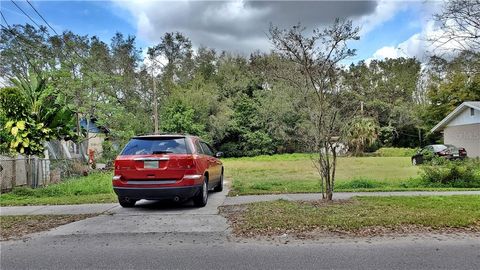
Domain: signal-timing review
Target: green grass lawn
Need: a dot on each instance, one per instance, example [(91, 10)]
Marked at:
[(295, 173), (362, 214), (94, 188)]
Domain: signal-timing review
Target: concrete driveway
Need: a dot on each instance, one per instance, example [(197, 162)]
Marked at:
[(153, 217)]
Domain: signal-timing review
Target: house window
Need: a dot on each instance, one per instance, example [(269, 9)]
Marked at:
[(472, 111)]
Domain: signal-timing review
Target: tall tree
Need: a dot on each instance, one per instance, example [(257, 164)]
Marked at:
[(386, 90)]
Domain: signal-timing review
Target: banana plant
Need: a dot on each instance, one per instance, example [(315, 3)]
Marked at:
[(34, 115), (28, 136)]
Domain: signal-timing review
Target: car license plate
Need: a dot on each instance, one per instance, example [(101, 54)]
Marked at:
[(150, 164), (455, 155)]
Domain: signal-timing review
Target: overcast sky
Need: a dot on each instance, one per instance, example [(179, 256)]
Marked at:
[(388, 28)]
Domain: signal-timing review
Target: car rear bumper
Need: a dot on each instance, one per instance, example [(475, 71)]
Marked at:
[(455, 157), (157, 193)]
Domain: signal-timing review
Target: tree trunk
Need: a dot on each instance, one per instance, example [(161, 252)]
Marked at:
[(329, 195), (79, 131)]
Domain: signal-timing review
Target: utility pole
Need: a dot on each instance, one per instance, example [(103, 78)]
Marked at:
[(155, 103), (152, 54), (361, 107)]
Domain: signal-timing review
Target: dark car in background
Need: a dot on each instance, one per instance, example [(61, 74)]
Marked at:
[(174, 167), (446, 151)]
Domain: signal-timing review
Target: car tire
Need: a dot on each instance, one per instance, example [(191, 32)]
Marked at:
[(219, 187), (126, 202), (201, 198)]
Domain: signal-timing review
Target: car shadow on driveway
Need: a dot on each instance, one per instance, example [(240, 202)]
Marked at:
[(151, 207), (164, 205)]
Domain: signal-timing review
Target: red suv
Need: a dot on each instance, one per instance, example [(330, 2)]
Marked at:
[(174, 167)]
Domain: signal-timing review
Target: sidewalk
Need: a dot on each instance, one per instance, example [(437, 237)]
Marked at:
[(115, 207), (58, 209), (338, 196)]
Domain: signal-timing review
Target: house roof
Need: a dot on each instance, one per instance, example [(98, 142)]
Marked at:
[(467, 104), (92, 126)]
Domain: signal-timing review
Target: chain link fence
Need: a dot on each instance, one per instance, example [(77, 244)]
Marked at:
[(36, 172)]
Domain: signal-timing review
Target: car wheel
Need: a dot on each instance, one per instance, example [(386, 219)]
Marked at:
[(201, 198), (126, 202), (219, 187)]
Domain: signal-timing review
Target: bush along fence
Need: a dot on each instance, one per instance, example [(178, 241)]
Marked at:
[(36, 172)]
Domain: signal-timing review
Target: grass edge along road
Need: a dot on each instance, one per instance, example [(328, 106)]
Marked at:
[(360, 216), (13, 227)]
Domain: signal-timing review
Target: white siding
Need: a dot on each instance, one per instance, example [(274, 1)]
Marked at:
[(465, 118), (467, 136)]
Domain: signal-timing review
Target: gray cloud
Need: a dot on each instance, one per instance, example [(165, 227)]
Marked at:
[(238, 26)]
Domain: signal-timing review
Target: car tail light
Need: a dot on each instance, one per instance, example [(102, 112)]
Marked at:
[(187, 163)]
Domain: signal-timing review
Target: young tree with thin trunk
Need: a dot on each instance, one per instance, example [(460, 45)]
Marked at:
[(317, 58)]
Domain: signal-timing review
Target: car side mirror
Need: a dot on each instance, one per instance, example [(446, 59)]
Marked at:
[(219, 154)]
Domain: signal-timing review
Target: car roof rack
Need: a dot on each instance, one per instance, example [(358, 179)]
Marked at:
[(162, 134)]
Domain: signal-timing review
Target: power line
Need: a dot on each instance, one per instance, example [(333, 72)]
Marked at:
[(66, 43), (24, 41), (4, 19), (38, 13), (46, 32), (28, 16), (15, 35), (81, 58)]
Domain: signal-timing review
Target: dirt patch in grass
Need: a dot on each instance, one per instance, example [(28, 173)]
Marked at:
[(360, 217), (15, 227)]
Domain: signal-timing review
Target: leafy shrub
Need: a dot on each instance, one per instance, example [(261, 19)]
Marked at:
[(13, 103), (359, 183), (440, 172), (258, 143), (180, 118), (109, 153), (5, 136), (231, 149), (251, 144), (395, 152), (23, 191)]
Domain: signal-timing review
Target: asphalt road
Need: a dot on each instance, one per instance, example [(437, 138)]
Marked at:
[(213, 251)]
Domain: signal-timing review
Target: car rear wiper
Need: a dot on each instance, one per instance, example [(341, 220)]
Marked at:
[(162, 152)]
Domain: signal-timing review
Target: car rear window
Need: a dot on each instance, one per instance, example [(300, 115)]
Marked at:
[(151, 146), (439, 147)]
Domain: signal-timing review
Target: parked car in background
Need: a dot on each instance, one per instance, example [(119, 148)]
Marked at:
[(446, 151), (174, 167)]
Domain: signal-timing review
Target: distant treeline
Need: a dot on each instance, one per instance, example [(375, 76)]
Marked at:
[(240, 104)]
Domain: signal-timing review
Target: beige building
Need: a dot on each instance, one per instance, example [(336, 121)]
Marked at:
[(462, 127)]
